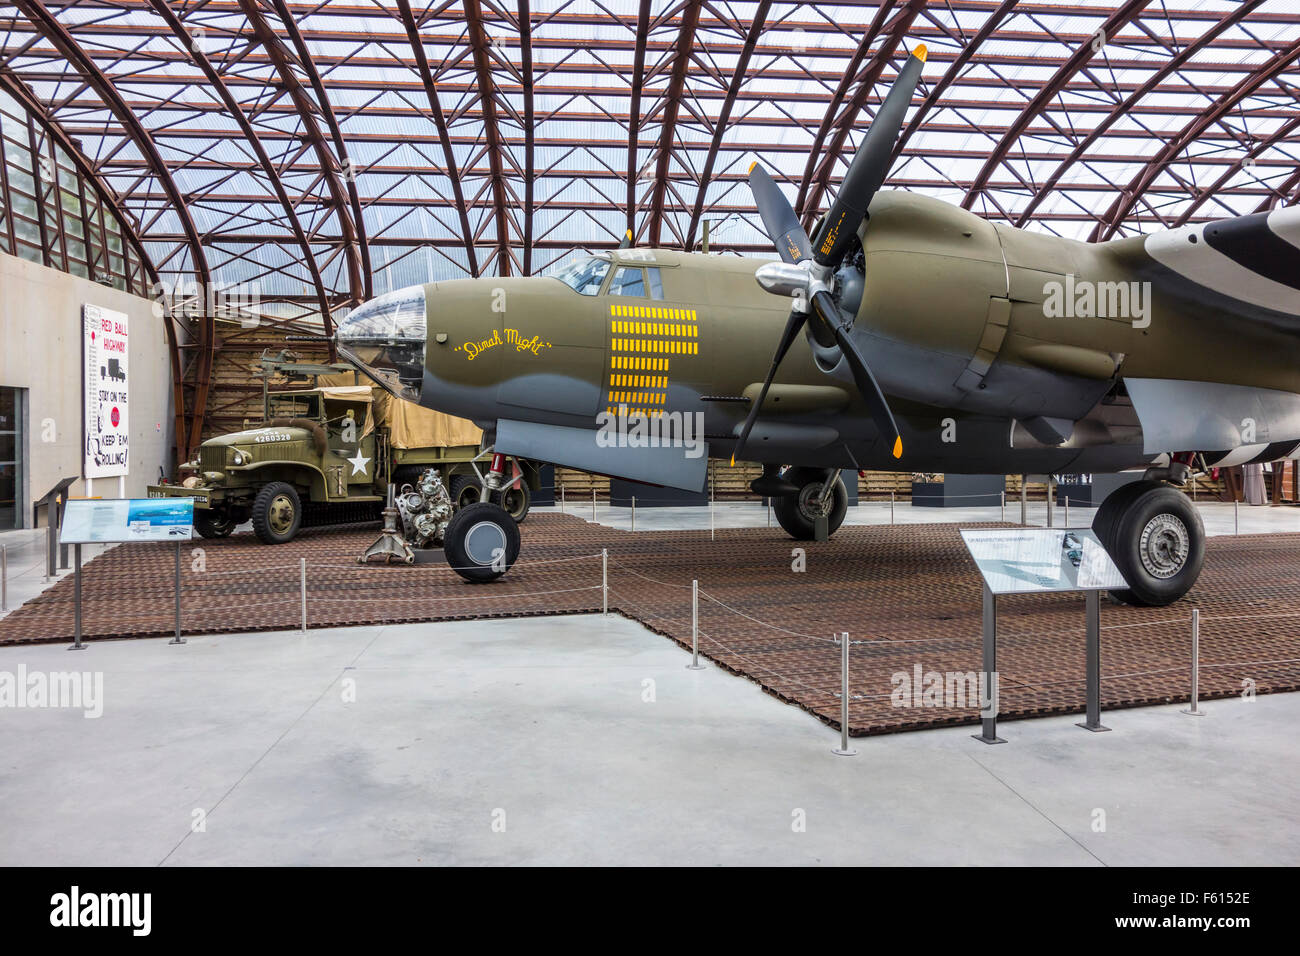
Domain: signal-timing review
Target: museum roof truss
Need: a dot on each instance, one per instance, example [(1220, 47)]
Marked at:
[(325, 152)]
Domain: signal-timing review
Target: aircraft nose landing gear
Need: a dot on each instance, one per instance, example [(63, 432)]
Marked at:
[(1156, 539)]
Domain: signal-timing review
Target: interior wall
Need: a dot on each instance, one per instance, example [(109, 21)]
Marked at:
[(40, 351)]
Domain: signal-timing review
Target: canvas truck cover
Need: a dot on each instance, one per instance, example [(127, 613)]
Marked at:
[(409, 425)]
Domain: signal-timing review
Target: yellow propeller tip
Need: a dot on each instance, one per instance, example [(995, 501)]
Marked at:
[(919, 52), (628, 234), (733, 461), (751, 167), (898, 447)]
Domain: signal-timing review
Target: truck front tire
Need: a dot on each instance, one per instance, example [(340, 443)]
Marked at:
[(213, 524), (277, 513)]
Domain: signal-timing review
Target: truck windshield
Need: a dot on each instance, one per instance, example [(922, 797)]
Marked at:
[(584, 275), (294, 406)]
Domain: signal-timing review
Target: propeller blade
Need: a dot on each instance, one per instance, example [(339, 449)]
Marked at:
[(627, 240), (793, 326), (867, 385), (869, 167), (778, 217)]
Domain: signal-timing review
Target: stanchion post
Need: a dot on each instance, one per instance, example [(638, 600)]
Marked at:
[(1003, 500), (593, 504), (711, 531), (604, 581), (1024, 505), (844, 750), (1051, 503), (561, 499), (1066, 522), (769, 511), (634, 514), (176, 638), (891, 507), (695, 664), (302, 589), (76, 601), (4, 578), (1236, 520), (1194, 707)]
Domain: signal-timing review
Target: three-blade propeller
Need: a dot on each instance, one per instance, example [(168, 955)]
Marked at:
[(810, 282)]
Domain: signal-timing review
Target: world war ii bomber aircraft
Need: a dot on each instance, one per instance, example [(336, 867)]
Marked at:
[(908, 333)]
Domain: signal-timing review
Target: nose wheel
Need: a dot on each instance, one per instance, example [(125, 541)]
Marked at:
[(481, 542)]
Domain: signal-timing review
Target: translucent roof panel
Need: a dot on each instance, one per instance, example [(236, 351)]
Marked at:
[(326, 152)]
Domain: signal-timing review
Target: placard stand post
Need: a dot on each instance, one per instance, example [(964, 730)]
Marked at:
[(178, 639), (1092, 605), (76, 600), (989, 725)]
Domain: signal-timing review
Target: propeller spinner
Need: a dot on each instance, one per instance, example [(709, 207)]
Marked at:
[(807, 270)]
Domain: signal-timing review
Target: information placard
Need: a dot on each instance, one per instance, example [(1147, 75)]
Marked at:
[(1028, 560), (106, 421), (87, 520)]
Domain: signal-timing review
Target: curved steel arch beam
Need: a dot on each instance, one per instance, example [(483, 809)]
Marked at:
[(1291, 187), (263, 158), (11, 84), (354, 245), (440, 123), (526, 69), (801, 203), (672, 105), (56, 33), (724, 114), (1277, 136), (634, 110), (893, 33), (1050, 90), (478, 40), (1122, 108), (1126, 200), (953, 72)]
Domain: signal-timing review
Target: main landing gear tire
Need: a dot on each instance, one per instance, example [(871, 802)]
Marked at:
[(481, 542), (211, 525), (277, 513), (516, 501), (1156, 539), (798, 513)]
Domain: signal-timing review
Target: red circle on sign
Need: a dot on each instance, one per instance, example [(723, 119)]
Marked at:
[(115, 416)]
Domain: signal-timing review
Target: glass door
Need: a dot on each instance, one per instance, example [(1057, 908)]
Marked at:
[(11, 449)]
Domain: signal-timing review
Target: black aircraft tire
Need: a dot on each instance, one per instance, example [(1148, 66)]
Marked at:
[(277, 513), (799, 522), (481, 542), (214, 525), (516, 501), (1104, 522), (1158, 544)]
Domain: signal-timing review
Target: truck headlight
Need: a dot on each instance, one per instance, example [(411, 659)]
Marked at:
[(238, 458)]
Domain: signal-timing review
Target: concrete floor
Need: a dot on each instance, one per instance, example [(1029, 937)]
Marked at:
[(25, 555), (542, 724)]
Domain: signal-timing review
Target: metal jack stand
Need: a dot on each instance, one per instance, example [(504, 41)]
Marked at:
[(390, 546)]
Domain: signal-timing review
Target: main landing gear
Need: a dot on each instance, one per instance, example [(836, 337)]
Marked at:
[(800, 496), (1156, 539), (482, 539)]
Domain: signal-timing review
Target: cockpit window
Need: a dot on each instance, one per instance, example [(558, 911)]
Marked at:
[(585, 275), (627, 281)]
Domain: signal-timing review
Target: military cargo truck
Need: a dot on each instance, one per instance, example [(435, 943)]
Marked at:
[(326, 455)]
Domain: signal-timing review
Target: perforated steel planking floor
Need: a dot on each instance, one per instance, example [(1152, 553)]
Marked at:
[(910, 591)]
